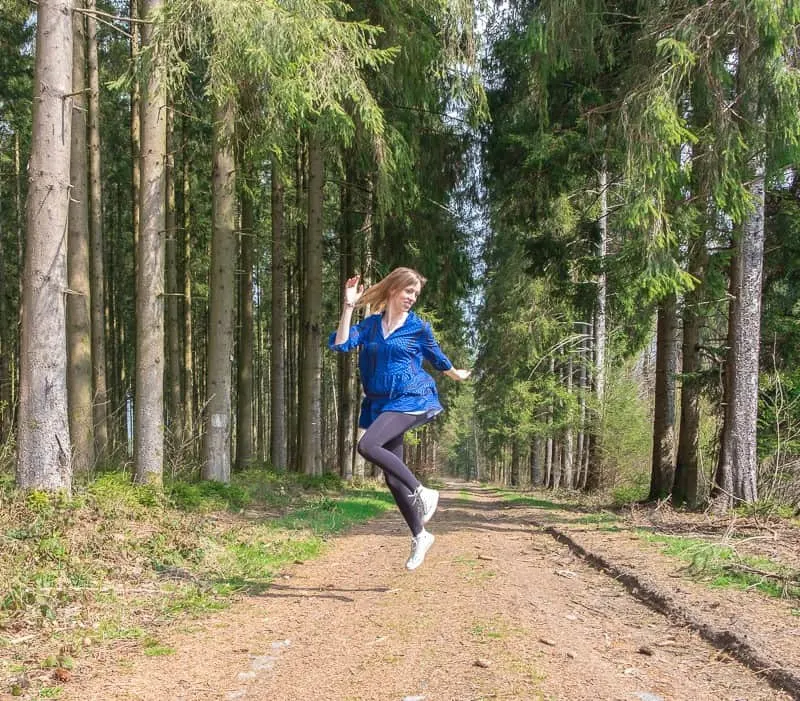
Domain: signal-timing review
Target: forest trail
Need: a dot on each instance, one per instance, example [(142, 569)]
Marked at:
[(499, 610)]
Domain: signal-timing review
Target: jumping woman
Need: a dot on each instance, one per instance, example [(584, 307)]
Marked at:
[(398, 394)]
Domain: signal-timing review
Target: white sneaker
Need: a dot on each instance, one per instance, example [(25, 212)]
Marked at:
[(419, 547), (427, 500)]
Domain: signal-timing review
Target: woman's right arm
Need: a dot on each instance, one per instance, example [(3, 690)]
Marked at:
[(343, 331), (352, 293)]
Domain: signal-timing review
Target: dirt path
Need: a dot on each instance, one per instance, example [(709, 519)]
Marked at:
[(498, 611)]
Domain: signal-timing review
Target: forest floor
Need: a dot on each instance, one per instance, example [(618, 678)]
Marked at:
[(519, 598)]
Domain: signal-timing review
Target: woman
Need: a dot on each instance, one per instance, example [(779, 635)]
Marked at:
[(398, 394)]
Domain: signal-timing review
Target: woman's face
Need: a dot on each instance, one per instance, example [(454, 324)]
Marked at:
[(404, 298)]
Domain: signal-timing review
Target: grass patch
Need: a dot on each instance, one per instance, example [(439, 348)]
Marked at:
[(207, 496), (525, 500), (194, 600), (108, 629), (487, 632), (597, 519), (153, 648), (719, 565), (491, 629), (630, 492), (326, 515)]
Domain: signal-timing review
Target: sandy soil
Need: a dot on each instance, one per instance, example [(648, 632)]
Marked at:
[(499, 610)]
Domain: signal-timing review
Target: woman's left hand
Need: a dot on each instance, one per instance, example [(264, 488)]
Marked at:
[(456, 374)]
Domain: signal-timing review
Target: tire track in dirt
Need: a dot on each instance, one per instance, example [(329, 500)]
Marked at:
[(498, 611)]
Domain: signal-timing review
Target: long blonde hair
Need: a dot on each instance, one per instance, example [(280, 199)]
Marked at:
[(378, 294)]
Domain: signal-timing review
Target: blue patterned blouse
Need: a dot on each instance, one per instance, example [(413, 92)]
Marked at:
[(391, 368)]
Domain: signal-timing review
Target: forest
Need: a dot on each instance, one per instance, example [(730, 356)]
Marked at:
[(603, 195), (604, 199)]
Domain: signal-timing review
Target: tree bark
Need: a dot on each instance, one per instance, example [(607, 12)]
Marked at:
[(188, 339), (536, 461), (149, 394), (582, 388), (43, 454), (735, 479), (567, 476), (79, 328), (662, 466), (136, 12), (347, 418), (278, 356), (515, 463), (174, 395), (594, 477), (98, 292), (217, 463), (686, 485), (367, 237), (6, 348), (310, 409), (245, 453)]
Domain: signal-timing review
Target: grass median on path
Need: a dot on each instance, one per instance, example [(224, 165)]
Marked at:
[(116, 562)]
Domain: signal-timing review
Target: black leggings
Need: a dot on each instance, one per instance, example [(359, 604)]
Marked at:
[(382, 444)]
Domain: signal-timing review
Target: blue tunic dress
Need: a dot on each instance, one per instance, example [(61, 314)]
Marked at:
[(391, 368)]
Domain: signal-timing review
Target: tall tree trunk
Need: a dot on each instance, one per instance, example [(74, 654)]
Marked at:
[(98, 294), (79, 328), (589, 416), (310, 409), (6, 324), (735, 478), (582, 388), (43, 454), (188, 341), (124, 392), (136, 12), (217, 464), (515, 463), (594, 478), (278, 437), (548, 452), (555, 475), (149, 394), (173, 330), (536, 461), (661, 470), (346, 428), (117, 386), (567, 477), (245, 452), (294, 289), (262, 376), (367, 238), (14, 343), (686, 484)]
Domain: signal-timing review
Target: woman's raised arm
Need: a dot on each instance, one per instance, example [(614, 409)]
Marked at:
[(352, 293)]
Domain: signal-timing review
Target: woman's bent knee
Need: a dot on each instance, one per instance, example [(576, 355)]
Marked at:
[(365, 448)]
